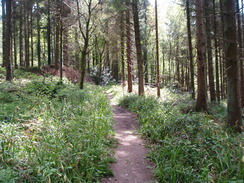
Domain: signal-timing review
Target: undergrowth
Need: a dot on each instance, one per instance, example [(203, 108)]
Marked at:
[(54, 133), (187, 146)]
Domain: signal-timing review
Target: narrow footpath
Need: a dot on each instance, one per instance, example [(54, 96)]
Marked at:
[(131, 164)]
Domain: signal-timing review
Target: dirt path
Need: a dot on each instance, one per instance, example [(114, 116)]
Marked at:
[(131, 164)]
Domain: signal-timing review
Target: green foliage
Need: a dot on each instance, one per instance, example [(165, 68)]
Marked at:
[(187, 147), (54, 133), (28, 73), (2, 72)]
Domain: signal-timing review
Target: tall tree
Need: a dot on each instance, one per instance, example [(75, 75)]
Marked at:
[(38, 36), (86, 27), (208, 12), (240, 51), (201, 104), (232, 66), (138, 49), (49, 32), (3, 32), (8, 34), (216, 52), (122, 45), (128, 44), (157, 49)]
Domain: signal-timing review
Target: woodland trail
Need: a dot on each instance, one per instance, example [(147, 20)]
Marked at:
[(131, 164)]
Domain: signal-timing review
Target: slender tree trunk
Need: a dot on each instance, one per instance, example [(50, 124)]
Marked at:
[(8, 34), (38, 38), (190, 48), (129, 50), (223, 75), (49, 34), (66, 46), (157, 49), (27, 45), (232, 66), (32, 41), (3, 33), (208, 6), (201, 104), (216, 53), (83, 64), (57, 54), (15, 44), (21, 38), (145, 51), (138, 49), (61, 46), (122, 47)]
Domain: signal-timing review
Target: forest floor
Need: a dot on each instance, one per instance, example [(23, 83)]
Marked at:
[(131, 165)]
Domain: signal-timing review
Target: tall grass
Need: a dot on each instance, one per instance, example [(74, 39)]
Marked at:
[(187, 147), (54, 133)]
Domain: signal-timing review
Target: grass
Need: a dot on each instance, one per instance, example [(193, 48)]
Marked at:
[(187, 146), (53, 133)]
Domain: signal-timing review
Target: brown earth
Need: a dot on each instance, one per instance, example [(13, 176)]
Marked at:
[(70, 73), (131, 164)]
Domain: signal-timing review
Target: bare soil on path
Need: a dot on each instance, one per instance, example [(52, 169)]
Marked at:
[(131, 164)]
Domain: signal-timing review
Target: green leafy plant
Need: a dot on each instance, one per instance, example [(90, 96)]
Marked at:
[(187, 146)]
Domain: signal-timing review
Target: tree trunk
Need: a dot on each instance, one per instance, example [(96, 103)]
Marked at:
[(38, 38), (56, 63), (207, 6), (216, 53), (138, 49), (32, 41), (66, 46), (232, 67), (190, 48), (122, 47), (15, 44), (223, 72), (3, 33), (49, 34), (21, 37), (27, 44), (145, 42), (240, 52), (8, 34), (201, 104), (157, 50), (129, 50)]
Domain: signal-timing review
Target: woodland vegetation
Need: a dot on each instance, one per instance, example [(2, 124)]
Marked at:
[(183, 73)]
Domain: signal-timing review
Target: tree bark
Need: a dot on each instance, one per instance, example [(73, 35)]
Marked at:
[(207, 7), (138, 49), (232, 67), (201, 104), (3, 33), (57, 42), (128, 43), (49, 34), (38, 37), (8, 34), (216, 53), (122, 46), (21, 37), (240, 52), (157, 50), (27, 43)]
